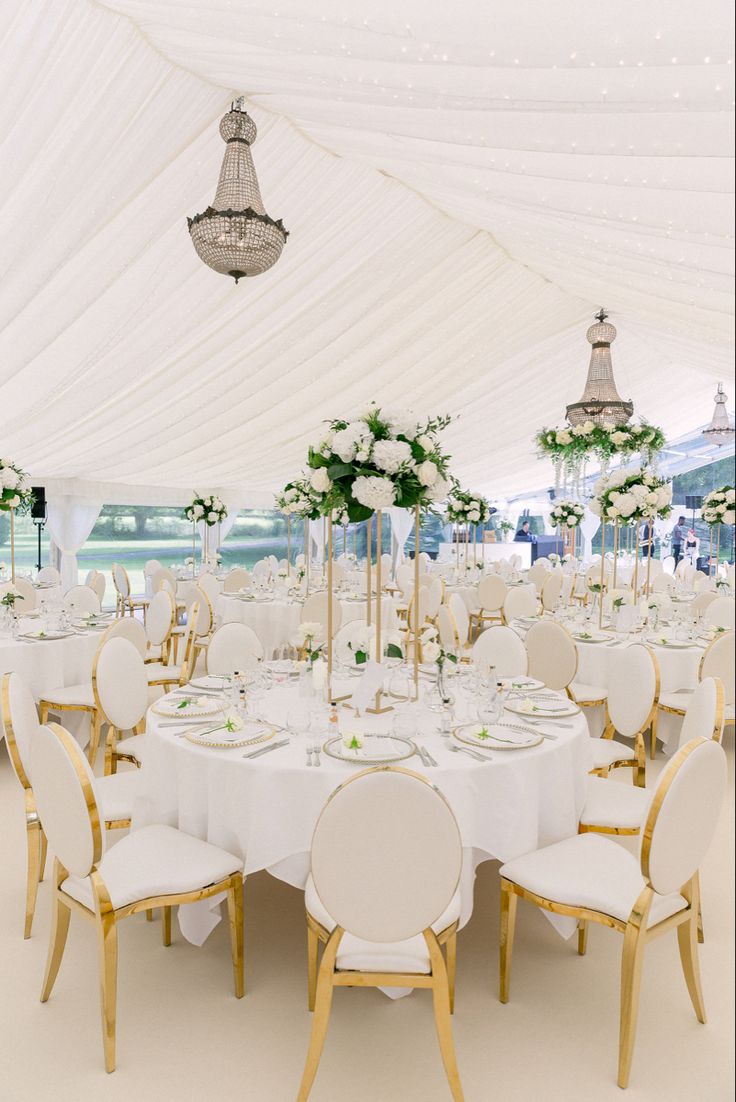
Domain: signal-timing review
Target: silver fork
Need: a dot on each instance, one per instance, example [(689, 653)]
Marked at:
[(309, 755), (315, 751)]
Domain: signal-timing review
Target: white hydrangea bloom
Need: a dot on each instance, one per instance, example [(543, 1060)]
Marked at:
[(427, 473), (374, 492), (320, 480), (391, 455)]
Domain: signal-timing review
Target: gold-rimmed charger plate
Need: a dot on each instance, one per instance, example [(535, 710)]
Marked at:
[(380, 750), (177, 708), (545, 709), (497, 736), (671, 644), (251, 734)]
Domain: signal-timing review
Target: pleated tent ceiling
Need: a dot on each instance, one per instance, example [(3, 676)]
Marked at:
[(464, 186)]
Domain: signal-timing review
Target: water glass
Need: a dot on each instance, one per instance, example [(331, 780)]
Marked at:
[(298, 720)]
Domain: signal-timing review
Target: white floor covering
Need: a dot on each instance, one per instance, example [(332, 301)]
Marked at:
[(182, 1035)]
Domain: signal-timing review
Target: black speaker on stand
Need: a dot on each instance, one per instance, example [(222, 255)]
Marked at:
[(38, 515), (693, 502)]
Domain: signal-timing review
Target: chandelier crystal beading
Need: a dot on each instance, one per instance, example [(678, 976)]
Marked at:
[(601, 401), (235, 236), (720, 431)]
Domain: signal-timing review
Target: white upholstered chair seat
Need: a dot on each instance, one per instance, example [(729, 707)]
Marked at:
[(357, 955), (614, 805), (79, 696), (155, 861), (589, 871), (116, 794), (608, 750), (584, 692), (678, 700), (134, 747), (160, 671)]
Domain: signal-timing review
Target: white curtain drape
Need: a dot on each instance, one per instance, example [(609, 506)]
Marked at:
[(70, 521), (402, 522), (214, 537), (317, 538), (589, 525)]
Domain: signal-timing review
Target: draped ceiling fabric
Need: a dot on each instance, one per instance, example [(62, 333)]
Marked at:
[(464, 186)]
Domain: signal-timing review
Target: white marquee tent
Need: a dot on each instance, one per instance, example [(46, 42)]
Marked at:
[(462, 193)]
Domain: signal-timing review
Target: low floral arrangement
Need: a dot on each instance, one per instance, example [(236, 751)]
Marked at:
[(719, 506), (363, 646), (15, 491), (573, 443), (464, 507), (568, 514), (9, 598), (631, 495), (302, 499), (377, 461), (432, 651), (211, 510), (310, 640)]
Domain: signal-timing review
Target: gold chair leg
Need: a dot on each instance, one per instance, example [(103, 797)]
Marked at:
[(687, 943), (443, 1020), (94, 737), (452, 969), (42, 852), (166, 926), (631, 965), (57, 940), (237, 934), (107, 944), (44, 717), (312, 950), (508, 924), (33, 872), (653, 736), (582, 937), (640, 769), (111, 762), (149, 915), (320, 1020)]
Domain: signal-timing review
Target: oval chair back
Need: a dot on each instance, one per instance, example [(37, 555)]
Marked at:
[(209, 584), (160, 616), (520, 601), (120, 684), (233, 647), (720, 613), (719, 661), (633, 689), (49, 575), (705, 714), (501, 648), (314, 611), (238, 578), (683, 815), (129, 629), (63, 787), (459, 612), (20, 720), (386, 855), (82, 600), (553, 656), (551, 590)]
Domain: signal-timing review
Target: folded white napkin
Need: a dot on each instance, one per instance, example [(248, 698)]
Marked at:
[(368, 686)]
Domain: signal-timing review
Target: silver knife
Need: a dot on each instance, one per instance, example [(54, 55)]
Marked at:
[(266, 749)]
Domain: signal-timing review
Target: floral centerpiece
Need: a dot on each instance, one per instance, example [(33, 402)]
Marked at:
[(719, 506), (464, 507), (310, 640), (9, 598), (210, 510), (15, 491), (631, 495), (377, 461), (571, 444), (567, 514)]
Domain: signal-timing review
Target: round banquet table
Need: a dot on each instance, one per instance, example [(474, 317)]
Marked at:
[(265, 809), (49, 663), (678, 668), (275, 622)]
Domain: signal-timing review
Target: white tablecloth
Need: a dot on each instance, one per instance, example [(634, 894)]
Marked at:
[(275, 622), (265, 810)]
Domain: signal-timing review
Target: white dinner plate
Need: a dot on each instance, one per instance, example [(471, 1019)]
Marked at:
[(182, 707), (542, 708), (211, 681), (45, 636), (591, 637), (497, 736), (671, 644), (376, 750), (521, 684)]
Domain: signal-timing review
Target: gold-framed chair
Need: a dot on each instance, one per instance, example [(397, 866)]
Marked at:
[(631, 709), (383, 922), (594, 879), (124, 599), (156, 866), (718, 660), (120, 685), (492, 592)]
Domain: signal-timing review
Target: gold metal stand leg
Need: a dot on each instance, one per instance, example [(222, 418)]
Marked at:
[(443, 1021), (33, 872), (57, 940), (508, 924), (631, 965), (322, 1007), (237, 933)]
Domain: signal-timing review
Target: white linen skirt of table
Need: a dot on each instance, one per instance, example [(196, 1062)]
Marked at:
[(276, 622), (265, 810)]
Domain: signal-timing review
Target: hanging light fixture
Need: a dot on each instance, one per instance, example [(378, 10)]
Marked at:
[(720, 431), (235, 236), (601, 401)]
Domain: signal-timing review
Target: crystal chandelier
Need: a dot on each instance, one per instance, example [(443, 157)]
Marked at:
[(720, 431), (235, 236), (601, 401)]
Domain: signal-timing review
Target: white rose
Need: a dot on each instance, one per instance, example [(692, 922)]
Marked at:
[(320, 480), (212, 517), (589, 426), (572, 521), (198, 512), (721, 508), (579, 430), (731, 496), (608, 426), (564, 436), (618, 438), (425, 442), (431, 652), (474, 516), (613, 512), (374, 492), (595, 506), (438, 492), (427, 473), (729, 517), (403, 424)]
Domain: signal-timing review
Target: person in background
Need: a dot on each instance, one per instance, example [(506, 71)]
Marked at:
[(524, 534), (692, 547), (646, 536), (678, 536)]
